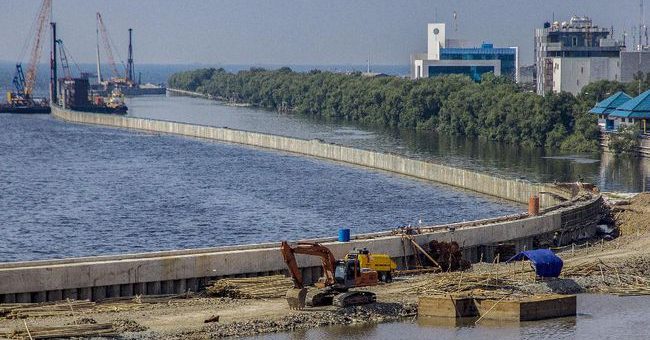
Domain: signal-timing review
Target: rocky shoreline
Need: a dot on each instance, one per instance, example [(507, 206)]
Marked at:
[(300, 320)]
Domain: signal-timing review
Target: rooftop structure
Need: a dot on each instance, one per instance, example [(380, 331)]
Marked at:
[(570, 55), (620, 110), (607, 106), (638, 107), (447, 56)]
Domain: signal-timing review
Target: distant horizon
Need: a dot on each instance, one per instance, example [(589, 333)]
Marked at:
[(284, 32), (224, 64)]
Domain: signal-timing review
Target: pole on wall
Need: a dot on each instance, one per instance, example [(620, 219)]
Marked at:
[(53, 75)]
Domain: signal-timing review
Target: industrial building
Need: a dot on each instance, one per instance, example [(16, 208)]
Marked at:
[(448, 56), (633, 62), (570, 55)]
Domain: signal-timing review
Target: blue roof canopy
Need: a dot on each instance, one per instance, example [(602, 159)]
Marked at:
[(609, 104), (546, 263), (638, 107)]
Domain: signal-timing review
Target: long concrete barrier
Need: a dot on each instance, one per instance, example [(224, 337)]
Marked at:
[(181, 270), (168, 272), (510, 189)]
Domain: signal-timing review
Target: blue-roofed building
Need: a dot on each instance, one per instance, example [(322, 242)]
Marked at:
[(607, 106), (635, 111), (447, 56)]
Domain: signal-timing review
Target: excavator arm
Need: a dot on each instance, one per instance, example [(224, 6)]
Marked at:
[(296, 296), (306, 248)]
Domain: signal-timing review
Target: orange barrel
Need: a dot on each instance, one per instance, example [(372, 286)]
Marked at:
[(533, 205)]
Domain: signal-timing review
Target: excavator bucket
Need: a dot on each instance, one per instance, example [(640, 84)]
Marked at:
[(296, 298)]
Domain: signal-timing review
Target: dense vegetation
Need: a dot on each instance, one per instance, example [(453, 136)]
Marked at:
[(626, 141), (496, 108)]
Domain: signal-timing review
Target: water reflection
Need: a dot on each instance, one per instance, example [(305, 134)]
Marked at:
[(511, 160), (599, 316)]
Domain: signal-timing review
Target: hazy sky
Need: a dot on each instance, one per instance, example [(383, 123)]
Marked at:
[(297, 32)]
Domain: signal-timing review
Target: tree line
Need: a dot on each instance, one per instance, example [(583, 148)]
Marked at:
[(495, 108)]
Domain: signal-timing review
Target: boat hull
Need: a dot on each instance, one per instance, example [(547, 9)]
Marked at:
[(101, 109), (24, 109)]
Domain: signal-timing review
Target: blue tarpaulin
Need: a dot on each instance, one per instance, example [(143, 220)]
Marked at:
[(546, 263)]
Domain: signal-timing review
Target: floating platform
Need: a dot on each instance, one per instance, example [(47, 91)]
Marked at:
[(144, 90), (529, 308), (37, 109), (122, 110)]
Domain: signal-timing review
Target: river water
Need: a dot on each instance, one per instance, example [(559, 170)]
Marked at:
[(598, 317), (75, 190), (608, 172)]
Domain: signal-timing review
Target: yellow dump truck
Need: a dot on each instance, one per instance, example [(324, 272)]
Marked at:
[(377, 262)]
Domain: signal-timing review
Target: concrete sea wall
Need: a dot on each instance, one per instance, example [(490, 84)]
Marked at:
[(181, 270), (510, 189), (643, 149), (168, 272)]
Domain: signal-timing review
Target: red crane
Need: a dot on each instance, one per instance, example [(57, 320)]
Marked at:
[(25, 83)]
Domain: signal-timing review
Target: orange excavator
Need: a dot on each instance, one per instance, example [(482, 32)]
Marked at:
[(334, 286)]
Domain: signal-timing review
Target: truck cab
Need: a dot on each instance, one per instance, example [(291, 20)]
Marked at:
[(348, 274), (381, 263)]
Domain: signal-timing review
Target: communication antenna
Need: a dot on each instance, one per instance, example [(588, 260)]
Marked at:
[(368, 66), (99, 67), (641, 24)]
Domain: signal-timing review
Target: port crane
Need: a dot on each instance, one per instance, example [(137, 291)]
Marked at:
[(24, 84), (63, 55), (117, 76)]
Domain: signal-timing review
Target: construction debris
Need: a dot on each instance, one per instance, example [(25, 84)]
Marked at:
[(631, 216), (68, 331), (262, 287), (125, 325), (34, 310), (75, 307), (448, 255), (213, 318)]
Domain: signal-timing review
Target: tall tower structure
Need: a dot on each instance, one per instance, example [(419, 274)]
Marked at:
[(130, 72), (53, 75), (436, 40)]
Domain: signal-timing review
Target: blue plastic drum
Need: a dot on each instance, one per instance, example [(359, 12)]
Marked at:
[(344, 235)]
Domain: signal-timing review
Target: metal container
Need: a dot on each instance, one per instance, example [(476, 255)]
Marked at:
[(344, 235)]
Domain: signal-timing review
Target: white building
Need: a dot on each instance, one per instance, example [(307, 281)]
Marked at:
[(570, 55), (447, 56), (571, 74)]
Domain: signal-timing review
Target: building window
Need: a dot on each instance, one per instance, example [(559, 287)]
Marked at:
[(574, 41), (582, 69), (578, 82)]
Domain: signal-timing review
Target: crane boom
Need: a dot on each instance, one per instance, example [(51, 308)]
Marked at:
[(306, 248), (106, 41), (64, 60), (41, 22), (19, 79)]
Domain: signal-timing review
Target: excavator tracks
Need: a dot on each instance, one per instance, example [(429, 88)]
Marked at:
[(354, 298)]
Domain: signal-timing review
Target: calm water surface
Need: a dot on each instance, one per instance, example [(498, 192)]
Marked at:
[(599, 317), (73, 190), (608, 172)]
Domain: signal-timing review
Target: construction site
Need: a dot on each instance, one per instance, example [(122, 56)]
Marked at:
[(616, 262)]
